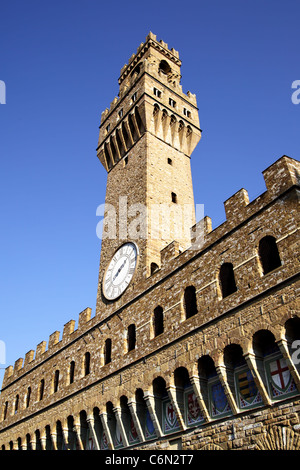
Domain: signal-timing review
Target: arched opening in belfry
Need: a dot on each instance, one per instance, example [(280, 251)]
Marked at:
[(164, 67)]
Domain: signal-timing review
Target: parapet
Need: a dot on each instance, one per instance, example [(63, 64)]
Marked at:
[(151, 40), (279, 177), (282, 174), (32, 357)]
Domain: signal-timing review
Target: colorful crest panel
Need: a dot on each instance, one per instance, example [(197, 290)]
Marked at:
[(132, 434), (170, 422), (280, 379), (192, 410), (248, 394), (218, 401)]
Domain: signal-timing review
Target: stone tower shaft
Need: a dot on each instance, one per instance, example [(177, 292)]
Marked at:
[(145, 142)]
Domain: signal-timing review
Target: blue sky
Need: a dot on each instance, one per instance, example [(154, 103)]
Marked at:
[(60, 61)]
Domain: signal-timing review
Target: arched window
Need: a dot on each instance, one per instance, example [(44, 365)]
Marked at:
[(227, 280), (87, 360), (273, 366), (131, 337), (212, 389), (107, 351), (186, 396), (268, 254), (42, 387), (72, 371), (17, 403), (154, 267), (28, 397), (5, 410), (158, 321), (239, 378), (56, 380), (164, 67), (190, 302)]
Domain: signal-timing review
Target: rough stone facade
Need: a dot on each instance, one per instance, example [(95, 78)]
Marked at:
[(213, 362)]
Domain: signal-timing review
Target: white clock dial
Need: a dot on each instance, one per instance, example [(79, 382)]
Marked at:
[(120, 271)]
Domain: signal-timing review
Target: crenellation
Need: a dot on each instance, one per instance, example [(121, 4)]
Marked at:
[(209, 311), (281, 175), (84, 318), (40, 349), (18, 364), (29, 357), (69, 328), (235, 204)]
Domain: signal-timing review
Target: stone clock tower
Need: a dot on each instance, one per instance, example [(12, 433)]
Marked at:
[(145, 142)]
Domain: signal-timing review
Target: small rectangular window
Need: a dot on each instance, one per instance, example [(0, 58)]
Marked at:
[(157, 92), (108, 128), (172, 102), (186, 112), (120, 113), (174, 197), (134, 96), (170, 161)]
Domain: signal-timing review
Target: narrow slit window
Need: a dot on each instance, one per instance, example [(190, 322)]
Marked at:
[(174, 197)]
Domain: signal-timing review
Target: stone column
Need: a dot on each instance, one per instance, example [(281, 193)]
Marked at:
[(176, 406), (195, 381), (133, 410), (221, 371), (76, 429), (149, 398), (250, 359), (91, 424), (117, 411), (103, 417)]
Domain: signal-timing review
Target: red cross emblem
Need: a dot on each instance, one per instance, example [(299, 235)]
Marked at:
[(280, 373)]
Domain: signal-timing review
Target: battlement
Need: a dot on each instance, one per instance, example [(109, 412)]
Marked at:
[(279, 177), (136, 59), (33, 358), (151, 40)]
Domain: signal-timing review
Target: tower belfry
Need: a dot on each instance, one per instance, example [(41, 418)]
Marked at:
[(145, 142)]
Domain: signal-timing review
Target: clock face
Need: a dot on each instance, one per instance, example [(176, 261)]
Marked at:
[(120, 271)]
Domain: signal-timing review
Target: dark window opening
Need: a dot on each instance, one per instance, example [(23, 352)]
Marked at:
[(17, 403), (72, 372), (56, 379), (170, 161), (87, 360), (190, 302), (164, 67), (174, 197), (154, 267), (131, 338), (107, 351), (158, 321), (28, 397), (268, 253), (227, 281), (157, 92), (42, 386), (5, 410)]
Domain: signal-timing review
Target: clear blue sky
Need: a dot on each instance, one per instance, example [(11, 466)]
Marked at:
[(60, 61)]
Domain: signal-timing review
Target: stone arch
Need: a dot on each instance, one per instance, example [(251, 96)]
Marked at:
[(211, 446), (278, 438)]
